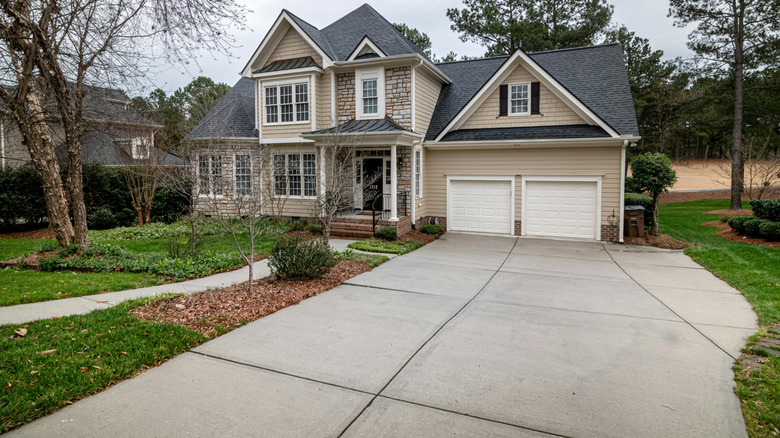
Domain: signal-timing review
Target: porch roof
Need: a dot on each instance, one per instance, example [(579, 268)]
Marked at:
[(383, 126)]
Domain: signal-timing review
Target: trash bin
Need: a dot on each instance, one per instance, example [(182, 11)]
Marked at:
[(634, 221)]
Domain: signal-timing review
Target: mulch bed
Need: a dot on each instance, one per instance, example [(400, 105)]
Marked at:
[(729, 233), (43, 233), (234, 306), (731, 212), (670, 197), (664, 241), (420, 236)]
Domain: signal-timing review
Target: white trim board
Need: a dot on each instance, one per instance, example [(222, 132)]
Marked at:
[(365, 43)]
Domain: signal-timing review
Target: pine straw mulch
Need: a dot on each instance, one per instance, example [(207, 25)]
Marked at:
[(43, 233), (731, 212), (664, 241), (729, 233), (214, 312)]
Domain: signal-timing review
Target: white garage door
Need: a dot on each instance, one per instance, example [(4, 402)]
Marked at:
[(481, 206), (563, 209)]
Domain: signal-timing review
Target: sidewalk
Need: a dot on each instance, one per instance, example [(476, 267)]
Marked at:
[(22, 313)]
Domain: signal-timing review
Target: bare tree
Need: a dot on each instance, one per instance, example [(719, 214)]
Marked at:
[(53, 48), (762, 167), (144, 173)]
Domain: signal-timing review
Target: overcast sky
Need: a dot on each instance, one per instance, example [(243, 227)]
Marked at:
[(645, 17)]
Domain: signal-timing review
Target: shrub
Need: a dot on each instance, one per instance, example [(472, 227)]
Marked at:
[(768, 209), (633, 186), (297, 258), (432, 229), (49, 264), (169, 205), (101, 218), (737, 223), (21, 197), (68, 250), (387, 233), (652, 172), (770, 230), (752, 226), (315, 228), (298, 225), (46, 247), (639, 199)]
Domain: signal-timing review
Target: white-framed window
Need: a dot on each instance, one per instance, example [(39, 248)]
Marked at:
[(418, 173), (295, 174), (370, 93), (520, 99), (286, 103), (210, 174), (243, 174), (139, 148)]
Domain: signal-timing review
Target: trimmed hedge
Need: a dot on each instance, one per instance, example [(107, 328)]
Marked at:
[(768, 209), (770, 230), (297, 258), (755, 227), (432, 229), (387, 233)]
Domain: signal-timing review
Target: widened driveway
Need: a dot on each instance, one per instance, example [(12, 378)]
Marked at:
[(468, 336)]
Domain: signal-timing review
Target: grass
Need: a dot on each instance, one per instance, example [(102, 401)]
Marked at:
[(21, 286), (59, 361), (396, 247), (12, 248), (755, 271), (372, 260)]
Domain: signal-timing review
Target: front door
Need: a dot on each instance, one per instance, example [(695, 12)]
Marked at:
[(373, 178)]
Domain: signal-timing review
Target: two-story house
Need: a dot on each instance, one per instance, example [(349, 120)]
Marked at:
[(527, 144)]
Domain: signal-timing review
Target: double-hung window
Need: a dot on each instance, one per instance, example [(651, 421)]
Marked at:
[(210, 174), (519, 99), (370, 97), (295, 175), (287, 103), (418, 173), (370, 93), (243, 173)]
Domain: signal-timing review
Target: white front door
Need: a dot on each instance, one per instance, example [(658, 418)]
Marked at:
[(560, 208), (483, 206)]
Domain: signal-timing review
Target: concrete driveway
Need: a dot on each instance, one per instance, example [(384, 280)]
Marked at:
[(468, 336)]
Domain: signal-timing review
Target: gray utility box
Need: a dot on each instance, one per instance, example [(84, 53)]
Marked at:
[(634, 221)]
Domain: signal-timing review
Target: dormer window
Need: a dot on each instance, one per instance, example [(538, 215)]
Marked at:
[(139, 148), (287, 103), (519, 99), (370, 93)]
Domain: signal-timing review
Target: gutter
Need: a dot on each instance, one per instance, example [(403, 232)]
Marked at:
[(510, 144), (385, 59)]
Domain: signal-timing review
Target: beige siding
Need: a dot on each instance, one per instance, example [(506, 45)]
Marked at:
[(604, 161), (426, 92), (293, 46), (553, 110), (323, 101)]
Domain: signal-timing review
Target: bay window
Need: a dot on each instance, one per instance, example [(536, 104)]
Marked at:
[(295, 175)]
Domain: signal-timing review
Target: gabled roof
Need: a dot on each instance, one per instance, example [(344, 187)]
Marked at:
[(232, 117), (595, 75)]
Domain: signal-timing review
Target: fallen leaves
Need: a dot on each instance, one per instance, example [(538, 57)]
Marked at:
[(46, 351), (21, 331)]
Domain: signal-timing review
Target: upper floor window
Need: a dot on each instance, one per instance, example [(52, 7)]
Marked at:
[(139, 147), (370, 93), (519, 99), (287, 103)]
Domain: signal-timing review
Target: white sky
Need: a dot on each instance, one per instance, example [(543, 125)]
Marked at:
[(645, 17)]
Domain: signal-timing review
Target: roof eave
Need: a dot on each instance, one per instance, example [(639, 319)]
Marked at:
[(519, 144), (414, 57), (271, 74)]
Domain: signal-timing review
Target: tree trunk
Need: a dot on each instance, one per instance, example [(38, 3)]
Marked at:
[(654, 228), (140, 214), (737, 164), (75, 186)]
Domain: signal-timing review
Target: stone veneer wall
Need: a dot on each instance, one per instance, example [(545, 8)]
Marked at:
[(398, 95), (345, 96)]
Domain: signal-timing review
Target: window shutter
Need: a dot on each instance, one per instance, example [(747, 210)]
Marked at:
[(534, 97), (503, 104)]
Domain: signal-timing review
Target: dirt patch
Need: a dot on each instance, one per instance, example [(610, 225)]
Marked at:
[(664, 241), (731, 212), (670, 197), (730, 234), (43, 233), (759, 353), (215, 311)]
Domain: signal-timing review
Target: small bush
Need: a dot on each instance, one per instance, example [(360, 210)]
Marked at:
[(297, 258), (178, 250), (49, 264), (387, 233), (68, 250), (753, 226), (738, 222), (432, 229), (639, 199), (315, 228), (101, 218), (169, 205), (768, 209), (770, 230), (298, 225), (46, 247)]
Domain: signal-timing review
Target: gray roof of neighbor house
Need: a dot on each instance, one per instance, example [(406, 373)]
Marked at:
[(526, 133), (232, 117), (362, 126), (100, 147), (340, 38), (596, 75)]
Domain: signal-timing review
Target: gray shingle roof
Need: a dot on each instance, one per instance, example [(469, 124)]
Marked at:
[(288, 64), (362, 126), (596, 75), (526, 133), (101, 147), (232, 117)]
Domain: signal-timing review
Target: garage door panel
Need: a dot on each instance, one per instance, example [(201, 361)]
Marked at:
[(560, 208), (481, 206)]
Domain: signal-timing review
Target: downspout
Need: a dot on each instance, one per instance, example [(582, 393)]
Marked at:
[(622, 188), (413, 194), (333, 108)]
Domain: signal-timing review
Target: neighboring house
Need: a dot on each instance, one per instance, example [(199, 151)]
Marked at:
[(527, 144), (114, 135)]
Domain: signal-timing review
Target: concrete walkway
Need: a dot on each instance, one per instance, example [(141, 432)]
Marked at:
[(468, 336), (22, 313)]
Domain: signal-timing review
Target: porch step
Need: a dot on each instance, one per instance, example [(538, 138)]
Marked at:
[(349, 228)]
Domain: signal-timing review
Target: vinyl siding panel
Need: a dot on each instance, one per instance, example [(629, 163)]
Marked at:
[(292, 45), (553, 111), (426, 92), (604, 161), (323, 101)]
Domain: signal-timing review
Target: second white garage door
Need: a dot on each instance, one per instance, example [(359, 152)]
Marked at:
[(481, 206), (560, 208)]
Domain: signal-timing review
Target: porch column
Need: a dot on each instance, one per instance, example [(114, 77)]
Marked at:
[(393, 183), (322, 179)]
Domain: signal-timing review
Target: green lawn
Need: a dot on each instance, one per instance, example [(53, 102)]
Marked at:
[(755, 271), (12, 248), (382, 246), (59, 361)]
